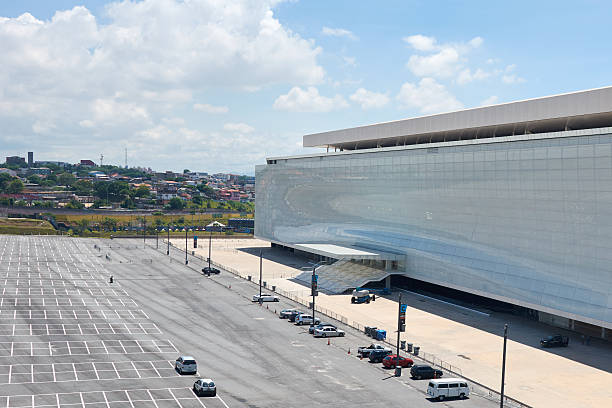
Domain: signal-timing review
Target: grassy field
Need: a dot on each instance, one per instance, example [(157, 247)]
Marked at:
[(125, 219), (25, 226)]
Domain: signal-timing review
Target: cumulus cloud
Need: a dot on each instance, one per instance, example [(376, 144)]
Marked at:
[(204, 107), (109, 79), (308, 100), (428, 96), (368, 99), (338, 32), (466, 75), (445, 62), (238, 127)]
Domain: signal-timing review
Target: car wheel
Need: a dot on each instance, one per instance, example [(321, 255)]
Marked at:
[(214, 394), (180, 371), (324, 334), (441, 398), (418, 377), (462, 395), (277, 299), (341, 334)]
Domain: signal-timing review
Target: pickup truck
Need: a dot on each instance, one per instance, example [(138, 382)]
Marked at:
[(365, 351), (555, 341)]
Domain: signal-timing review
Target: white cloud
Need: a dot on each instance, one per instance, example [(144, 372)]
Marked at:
[(491, 100), (444, 60), (308, 100), (176, 121), (238, 127), (113, 77), (204, 107), (421, 42), (350, 61), (466, 76), (512, 79), (338, 32), (368, 99), (428, 96)]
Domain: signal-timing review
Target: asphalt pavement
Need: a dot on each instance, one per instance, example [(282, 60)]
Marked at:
[(68, 337)]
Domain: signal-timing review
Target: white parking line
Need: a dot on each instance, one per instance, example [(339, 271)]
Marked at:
[(79, 348), (44, 314)]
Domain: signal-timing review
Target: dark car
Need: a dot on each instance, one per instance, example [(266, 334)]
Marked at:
[(377, 356), (420, 371), (555, 341), (208, 270), (293, 316), (285, 313), (311, 329)]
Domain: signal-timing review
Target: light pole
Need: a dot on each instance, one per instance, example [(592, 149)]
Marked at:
[(260, 272), (209, 248), (186, 261), (144, 231), (168, 229), (501, 400), (157, 237), (398, 369)]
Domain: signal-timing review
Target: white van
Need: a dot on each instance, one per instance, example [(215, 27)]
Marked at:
[(448, 388)]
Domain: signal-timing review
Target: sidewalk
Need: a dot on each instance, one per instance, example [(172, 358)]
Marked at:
[(462, 339)]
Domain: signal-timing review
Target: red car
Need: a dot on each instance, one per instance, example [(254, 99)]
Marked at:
[(391, 361)]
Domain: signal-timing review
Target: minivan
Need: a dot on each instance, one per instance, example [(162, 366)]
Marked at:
[(448, 388)]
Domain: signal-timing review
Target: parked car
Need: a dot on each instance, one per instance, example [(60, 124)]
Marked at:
[(205, 386), (448, 388), (377, 356), (186, 364), (207, 271), (306, 319), (311, 329), (285, 313), (294, 316), (328, 331), (555, 341), (265, 297), (366, 350), (419, 371), (392, 361)]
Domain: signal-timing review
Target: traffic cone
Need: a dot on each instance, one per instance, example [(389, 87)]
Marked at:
[(230, 286), (349, 350), (361, 356), (328, 342)]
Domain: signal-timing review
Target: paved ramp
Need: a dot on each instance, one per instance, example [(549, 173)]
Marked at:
[(344, 275)]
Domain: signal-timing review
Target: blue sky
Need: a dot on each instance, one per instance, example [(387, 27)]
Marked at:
[(188, 85)]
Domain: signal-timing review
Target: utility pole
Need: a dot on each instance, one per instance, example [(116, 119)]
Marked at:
[(401, 326), (144, 231), (209, 248), (501, 400), (260, 272), (186, 261), (157, 237), (313, 288), (168, 229)]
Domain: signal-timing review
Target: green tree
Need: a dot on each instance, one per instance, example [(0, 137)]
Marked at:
[(143, 191), (14, 187), (74, 204), (83, 187), (176, 204), (34, 179), (66, 179)]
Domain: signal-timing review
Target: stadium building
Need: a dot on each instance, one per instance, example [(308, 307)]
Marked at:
[(511, 202)]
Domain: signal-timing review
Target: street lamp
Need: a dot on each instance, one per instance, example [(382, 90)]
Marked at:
[(501, 401), (314, 286), (209, 248), (260, 272), (144, 231), (168, 229), (186, 261), (401, 326)]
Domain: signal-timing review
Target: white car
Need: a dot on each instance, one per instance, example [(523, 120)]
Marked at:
[(265, 297), (306, 319), (186, 364), (328, 331), (205, 386)]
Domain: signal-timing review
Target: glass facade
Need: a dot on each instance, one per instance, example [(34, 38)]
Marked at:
[(528, 222)]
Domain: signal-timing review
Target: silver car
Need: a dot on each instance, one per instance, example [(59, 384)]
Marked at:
[(186, 364), (205, 386), (328, 331)]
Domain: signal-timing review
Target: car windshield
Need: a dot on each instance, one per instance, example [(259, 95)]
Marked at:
[(189, 362), (211, 384)]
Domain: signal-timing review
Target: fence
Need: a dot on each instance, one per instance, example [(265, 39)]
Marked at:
[(475, 387)]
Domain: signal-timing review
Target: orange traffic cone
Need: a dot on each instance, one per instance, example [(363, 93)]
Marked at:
[(349, 350), (328, 342)]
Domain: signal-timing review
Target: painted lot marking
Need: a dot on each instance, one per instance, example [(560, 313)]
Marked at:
[(83, 329), (137, 398), (44, 282), (89, 347), (87, 371), (65, 301), (76, 314), (27, 291)]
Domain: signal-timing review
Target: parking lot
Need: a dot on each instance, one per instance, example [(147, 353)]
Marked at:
[(68, 337)]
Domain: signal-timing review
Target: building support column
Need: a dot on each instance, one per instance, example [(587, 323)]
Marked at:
[(388, 282)]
